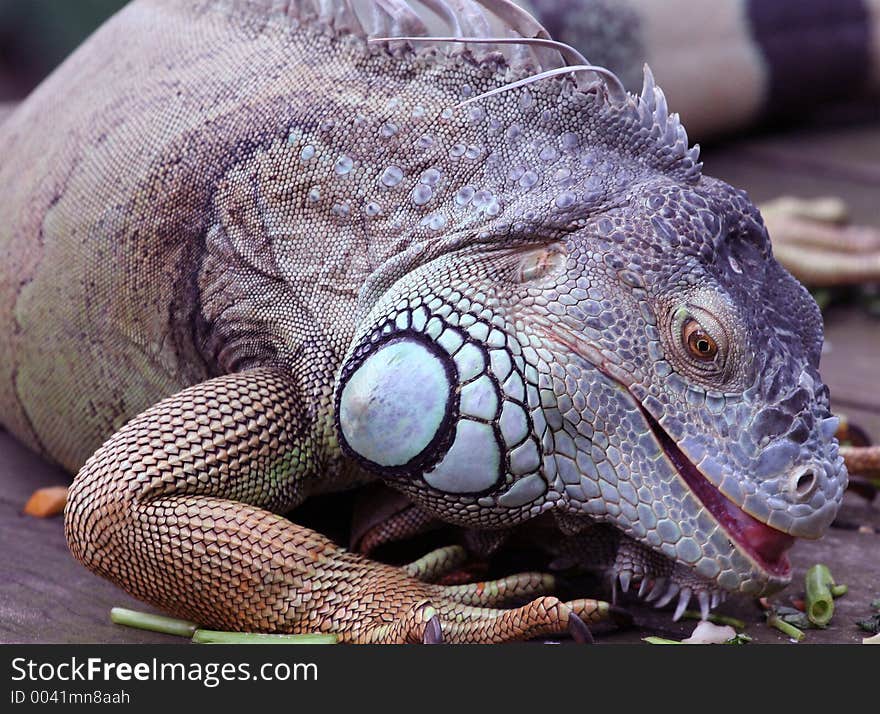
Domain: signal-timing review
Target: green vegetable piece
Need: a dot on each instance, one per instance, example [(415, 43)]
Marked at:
[(820, 602), (153, 623), (215, 637), (660, 641), (871, 624), (784, 627), (741, 639), (839, 590)]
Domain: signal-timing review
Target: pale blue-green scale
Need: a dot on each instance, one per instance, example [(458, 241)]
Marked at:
[(479, 399), (469, 361), (514, 423), (501, 364), (450, 340), (472, 462), (394, 403), (525, 458), (524, 491), (513, 387)]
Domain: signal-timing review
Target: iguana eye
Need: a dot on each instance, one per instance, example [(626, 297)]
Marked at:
[(698, 342)]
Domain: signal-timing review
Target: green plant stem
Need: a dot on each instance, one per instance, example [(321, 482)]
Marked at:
[(153, 623), (660, 641), (214, 637), (785, 627)]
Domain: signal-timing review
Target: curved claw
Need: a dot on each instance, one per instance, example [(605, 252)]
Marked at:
[(433, 634), (579, 631)]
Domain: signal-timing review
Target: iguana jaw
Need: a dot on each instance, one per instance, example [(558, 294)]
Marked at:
[(764, 545)]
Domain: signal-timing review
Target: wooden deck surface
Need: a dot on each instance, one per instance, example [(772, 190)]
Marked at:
[(46, 597)]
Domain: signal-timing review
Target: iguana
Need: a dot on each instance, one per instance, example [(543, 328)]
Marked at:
[(250, 256)]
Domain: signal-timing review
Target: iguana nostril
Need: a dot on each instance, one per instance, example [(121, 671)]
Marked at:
[(803, 483)]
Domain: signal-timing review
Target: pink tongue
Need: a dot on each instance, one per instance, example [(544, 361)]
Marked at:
[(766, 542)]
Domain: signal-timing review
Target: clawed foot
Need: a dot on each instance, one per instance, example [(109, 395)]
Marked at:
[(814, 241), (450, 621), (473, 612)]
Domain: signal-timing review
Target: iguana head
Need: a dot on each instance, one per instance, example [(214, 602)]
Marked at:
[(582, 323)]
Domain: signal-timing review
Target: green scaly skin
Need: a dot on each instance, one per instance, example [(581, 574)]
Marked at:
[(248, 259)]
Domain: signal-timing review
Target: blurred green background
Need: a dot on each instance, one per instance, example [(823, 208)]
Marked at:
[(35, 35)]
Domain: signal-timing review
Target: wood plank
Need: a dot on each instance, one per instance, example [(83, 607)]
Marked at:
[(46, 596), (851, 366)]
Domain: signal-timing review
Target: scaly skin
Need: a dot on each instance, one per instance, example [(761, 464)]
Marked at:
[(268, 260)]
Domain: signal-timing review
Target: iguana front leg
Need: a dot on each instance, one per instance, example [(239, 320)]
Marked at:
[(180, 508)]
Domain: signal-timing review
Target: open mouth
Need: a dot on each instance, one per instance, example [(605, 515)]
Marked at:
[(764, 544)]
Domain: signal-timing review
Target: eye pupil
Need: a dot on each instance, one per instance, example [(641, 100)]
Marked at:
[(698, 341)]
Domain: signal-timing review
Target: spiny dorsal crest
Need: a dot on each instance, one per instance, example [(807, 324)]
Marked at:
[(489, 29)]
